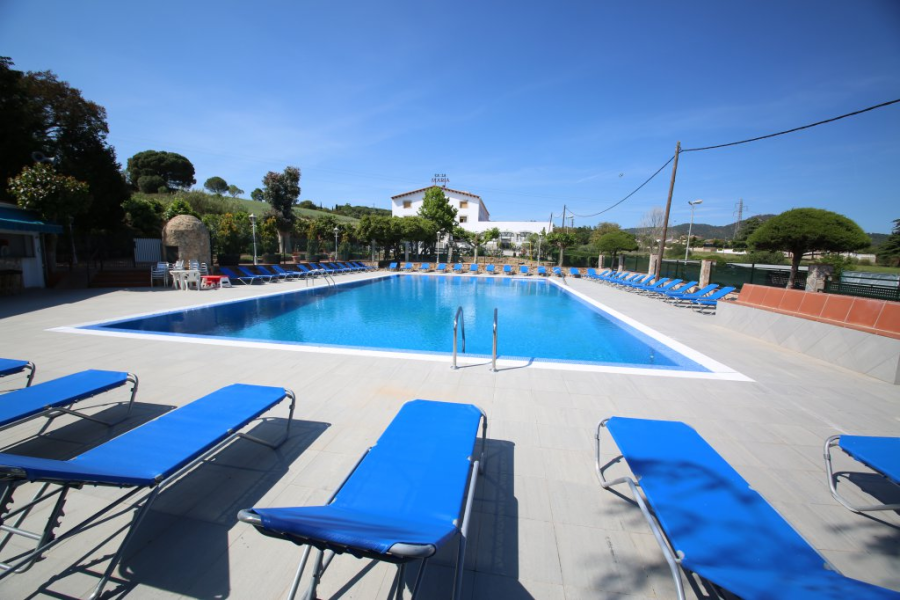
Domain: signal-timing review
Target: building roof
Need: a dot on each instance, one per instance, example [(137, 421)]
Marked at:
[(431, 186)]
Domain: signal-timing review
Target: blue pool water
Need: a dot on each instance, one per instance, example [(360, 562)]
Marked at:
[(537, 320)]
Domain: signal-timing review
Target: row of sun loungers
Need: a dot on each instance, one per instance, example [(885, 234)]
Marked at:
[(672, 291), (471, 268), (277, 273), (412, 493)]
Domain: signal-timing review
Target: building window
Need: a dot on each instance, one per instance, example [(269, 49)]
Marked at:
[(463, 219), (16, 246), (464, 204), (407, 204)]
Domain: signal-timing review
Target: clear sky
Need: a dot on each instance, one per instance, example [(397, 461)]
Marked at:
[(532, 105)]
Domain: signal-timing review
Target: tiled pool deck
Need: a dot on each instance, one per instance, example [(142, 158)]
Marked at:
[(543, 527)]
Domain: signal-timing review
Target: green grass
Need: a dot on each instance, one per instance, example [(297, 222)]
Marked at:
[(872, 269)]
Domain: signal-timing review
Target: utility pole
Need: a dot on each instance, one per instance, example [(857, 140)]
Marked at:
[(564, 219), (662, 242)]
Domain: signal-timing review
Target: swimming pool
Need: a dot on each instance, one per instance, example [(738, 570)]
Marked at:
[(539, 322)]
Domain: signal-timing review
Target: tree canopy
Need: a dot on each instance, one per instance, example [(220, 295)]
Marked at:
[(615, 241), (889, 251), (176, 170), (216, 185), (45, 119), (281, 191), (804, 230), (437, 209), (561, 240)]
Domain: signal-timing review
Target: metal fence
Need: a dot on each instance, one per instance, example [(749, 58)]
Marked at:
[(882, 286)]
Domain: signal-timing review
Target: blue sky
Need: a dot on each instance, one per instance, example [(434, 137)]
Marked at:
[(532, 105)]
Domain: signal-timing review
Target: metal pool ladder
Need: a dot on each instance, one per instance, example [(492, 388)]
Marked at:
[(459, 318), (494, 353)]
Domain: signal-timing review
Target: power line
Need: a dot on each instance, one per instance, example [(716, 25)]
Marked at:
[(629, 195), (795, 129)]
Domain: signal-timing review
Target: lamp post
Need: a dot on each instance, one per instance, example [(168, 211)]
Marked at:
[(337, 230), (253, 227), (687, 248)]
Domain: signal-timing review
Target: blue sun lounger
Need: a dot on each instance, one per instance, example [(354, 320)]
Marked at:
[(542, 270), (441, 268), (246, 279), (473, 268), (681, 292), (56, 397), (507, 270), (458, 268), (705, 514), (275, 275), (686, 299), (288, 274), (881, 454), (660, 289), (709, 303), (147, 457), (407, 497), (490, 269), (10, 366), (523, 269), (392, 267)]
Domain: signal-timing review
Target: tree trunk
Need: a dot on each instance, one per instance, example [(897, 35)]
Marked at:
[(561, 252), (796, 257)]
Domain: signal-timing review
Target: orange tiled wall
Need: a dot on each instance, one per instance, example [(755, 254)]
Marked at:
[(881, 317)]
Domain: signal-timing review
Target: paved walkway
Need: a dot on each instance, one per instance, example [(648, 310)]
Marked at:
[(543, 527)]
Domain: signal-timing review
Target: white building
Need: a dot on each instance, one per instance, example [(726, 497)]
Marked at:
[(472, 215)]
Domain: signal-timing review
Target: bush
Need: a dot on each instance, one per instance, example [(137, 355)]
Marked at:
[(151, 183), (179, 207)]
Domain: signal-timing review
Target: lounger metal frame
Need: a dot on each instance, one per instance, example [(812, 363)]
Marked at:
[(47, 539), (51, 412), (32, 369), (832, 483), (399, 554)]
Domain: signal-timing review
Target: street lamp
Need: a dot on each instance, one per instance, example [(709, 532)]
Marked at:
[(687, 248), (337, 230), (253, 227)]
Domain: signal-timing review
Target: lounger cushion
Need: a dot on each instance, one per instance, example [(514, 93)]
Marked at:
[(146, 455), (881, 454), (408, 488), (9, 366), (63, 391), (726, 531)]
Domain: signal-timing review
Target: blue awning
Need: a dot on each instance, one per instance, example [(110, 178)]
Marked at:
[(16, 219)]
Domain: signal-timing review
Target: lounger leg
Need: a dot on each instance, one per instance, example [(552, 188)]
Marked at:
[(832, 484), (135, 523), (401, 570), (296, 583), (464, 533), (419, 575), (321, 564)]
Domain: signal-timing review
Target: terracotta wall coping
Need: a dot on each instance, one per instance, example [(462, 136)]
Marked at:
[(881, 317)]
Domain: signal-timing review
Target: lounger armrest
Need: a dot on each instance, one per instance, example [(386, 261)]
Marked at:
[(412, 550)]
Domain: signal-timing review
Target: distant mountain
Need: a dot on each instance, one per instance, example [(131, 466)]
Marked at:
[(707, 232)]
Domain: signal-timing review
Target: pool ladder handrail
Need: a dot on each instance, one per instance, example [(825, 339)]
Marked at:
[(460, 317), (494, 354)]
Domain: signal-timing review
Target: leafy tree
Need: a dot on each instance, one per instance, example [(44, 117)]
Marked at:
[(234, 191), (437, 209), (889, 251), (216, 185), (233, 234), (268, 234), (803, 230), (281, 191), (55, 197), (144, 216), (179, 207), (616, 241), (257, 195), (383, 230), (45, 119), (308, 204), (418, 229), (150, 184), (176, 170), (561, 240), (746, 230)]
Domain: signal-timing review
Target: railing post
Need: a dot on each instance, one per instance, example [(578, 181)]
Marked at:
[(459, 317)]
